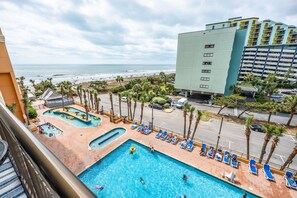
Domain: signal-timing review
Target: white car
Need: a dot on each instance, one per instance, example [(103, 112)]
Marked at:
[(124, 99)]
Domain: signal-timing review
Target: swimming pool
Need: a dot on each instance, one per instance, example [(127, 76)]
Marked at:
[(50, 130), (119, 173), (106, 138), (77, 122)]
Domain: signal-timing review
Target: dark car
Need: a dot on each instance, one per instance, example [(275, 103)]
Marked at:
[(169, 101), (257, 127), (156, 106)]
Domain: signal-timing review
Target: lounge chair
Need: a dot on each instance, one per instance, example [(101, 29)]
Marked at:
[(219, 155), (267, 172), (290, 181), (253, 167), (203, 150), (227, 157), (164, 135), (158, 135), (210, 152), (229, 176), (140, 128), (174, 140), (147, 131), (183, 144), (168, 139), (134, 126), (234, 161), (190, 146)]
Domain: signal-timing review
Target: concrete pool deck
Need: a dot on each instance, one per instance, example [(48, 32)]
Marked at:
[(71, 147)]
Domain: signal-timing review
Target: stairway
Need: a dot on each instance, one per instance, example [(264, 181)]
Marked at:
[(10, 185)]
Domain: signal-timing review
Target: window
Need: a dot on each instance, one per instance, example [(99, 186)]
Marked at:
[(208, 54), (206, 63), (209, 46), (205, 70), (204, 86), (204, 78)]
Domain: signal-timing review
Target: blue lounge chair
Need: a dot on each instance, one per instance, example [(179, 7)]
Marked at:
[(253, 167), (159, 134), (134, 126), (168, 139), (190, 146), (140, 128), (267, 172), (147, 131), (174, 140), (227, 157), (210, 152), (290, 181), (234, 161), (164, 135), (203, 150), (183, 144), (219, 155)]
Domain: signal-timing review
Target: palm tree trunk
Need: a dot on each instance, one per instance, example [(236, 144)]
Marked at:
[(135, 103), (111, 104), (141, 113), (263, 150), (290, 119), (190, 124), (273, 145), (269, 116), (128, 112), (89, 99), (248, 147), (290, 158), (221, 109), (185, 124), (120, 105), (97, 105), (130, 108), (243, 112), (195, 128)]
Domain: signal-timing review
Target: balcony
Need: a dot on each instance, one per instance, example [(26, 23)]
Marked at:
[(38, 172)]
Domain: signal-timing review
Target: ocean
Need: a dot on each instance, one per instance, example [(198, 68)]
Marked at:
[(77, 73)]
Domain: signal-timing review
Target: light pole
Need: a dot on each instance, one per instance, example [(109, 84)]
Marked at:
[(219, 136)]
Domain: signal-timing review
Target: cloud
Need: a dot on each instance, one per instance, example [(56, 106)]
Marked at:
[(118, 31)]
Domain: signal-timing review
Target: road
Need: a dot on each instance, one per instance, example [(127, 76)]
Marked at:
[(232, 134)]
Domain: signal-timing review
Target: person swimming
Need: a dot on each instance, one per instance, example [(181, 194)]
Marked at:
[(141, 181), (99, 187), (185, 177), (152, 149)]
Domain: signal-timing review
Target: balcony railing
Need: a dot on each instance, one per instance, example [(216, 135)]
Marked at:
[(41, 173)]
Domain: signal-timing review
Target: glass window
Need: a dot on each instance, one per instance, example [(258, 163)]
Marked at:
[(208, 54), (206, 63), (204, 78), (205, 70), (209, 46), (204, 86)]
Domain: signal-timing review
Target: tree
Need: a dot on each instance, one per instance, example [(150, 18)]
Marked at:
[(157, 89), (270, 85), (120, 103), (143, 99), (249, 77), (79, 93), (119, 79), (289, 104), (89, 101), (186, 109), (95, 100), (228, 101), (191, 110), (290, 158), (146, 86), (50, 80), (32, 82), (91, 98), (271, 107), (278, 132), (11, 107), (198, 118), (248, 123), (111, 103), (62, 93), (86, 109), (135, 97), (98, 99), (235, 89), (249, 106), (137, 89), (269, 131)]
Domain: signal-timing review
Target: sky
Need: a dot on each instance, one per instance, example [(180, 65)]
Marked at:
[(118, 31)]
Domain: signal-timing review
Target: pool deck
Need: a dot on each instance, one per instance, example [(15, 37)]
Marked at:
[(71, 147)]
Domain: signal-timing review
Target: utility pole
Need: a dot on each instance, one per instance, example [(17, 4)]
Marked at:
[(219, 136)]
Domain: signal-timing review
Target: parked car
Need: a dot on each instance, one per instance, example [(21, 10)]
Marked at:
[(169, 101), (257, 128), (181, 103), (124, 99), (156, 106)]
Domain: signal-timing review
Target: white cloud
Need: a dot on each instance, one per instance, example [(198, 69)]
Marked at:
[(117, 31)]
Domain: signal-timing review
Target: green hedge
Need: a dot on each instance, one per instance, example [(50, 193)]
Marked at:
[(117, 89), (159, 100), (32, 113)]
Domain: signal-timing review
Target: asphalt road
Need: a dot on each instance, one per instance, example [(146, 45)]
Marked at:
[(232, 134)]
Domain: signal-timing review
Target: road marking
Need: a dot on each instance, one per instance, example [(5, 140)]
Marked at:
[(281, 156), (292, 138)]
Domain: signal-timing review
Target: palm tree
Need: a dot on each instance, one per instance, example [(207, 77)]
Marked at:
[(137, 88), (86, 108), (129, 100), (271, 107), (157, 89), (198, 118), (143, 99), (269, 130), (191, 110), (21, 82), (146, 87), (186, 108), (50, 80), (119, 79), (95, 100), (135, 97), (277, 133), (120, 103), (79, 93), (88, 94), (32, 82), (290, 158), (111, 103), (248, 123), (91, 98), (62, 93), (26, 102), (290, 105)]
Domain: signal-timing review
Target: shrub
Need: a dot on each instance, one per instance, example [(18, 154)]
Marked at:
[(159, 100), (117, 89), (166, 106), (32, 113), (38, 93)]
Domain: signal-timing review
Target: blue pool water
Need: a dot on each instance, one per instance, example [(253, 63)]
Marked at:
[(106, 138), (75, 121), (50, 130), (119, 173)]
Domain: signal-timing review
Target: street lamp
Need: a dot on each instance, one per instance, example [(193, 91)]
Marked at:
[(219, 135)]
